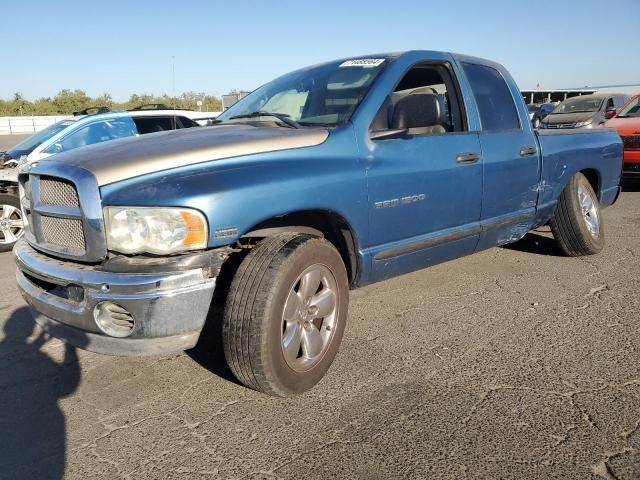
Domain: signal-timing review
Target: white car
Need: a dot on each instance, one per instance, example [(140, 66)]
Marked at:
[(68, 135)]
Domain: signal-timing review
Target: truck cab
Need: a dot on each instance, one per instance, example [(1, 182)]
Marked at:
[(323, 180)]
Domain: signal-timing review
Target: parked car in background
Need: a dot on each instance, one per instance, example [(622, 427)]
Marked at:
[(538, 111), (68, 135), (325, 179), (586, 111), (627, 124)]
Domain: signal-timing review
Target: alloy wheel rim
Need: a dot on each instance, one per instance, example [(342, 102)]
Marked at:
[(309, 318), (11, 224), (589, 211)]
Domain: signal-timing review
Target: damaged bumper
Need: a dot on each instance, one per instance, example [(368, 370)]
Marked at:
[(116, 313)]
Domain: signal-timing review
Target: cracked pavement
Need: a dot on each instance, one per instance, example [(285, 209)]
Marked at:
[(512, 363)]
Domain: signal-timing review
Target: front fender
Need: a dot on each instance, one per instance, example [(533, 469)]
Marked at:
[(238, 193)]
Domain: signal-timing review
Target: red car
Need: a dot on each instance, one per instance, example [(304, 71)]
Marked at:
[(627, 123)]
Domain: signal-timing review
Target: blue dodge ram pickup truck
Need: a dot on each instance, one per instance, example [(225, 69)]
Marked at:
[(325, 179)]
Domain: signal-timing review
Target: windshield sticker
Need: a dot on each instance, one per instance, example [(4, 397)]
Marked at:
[(363, 62)]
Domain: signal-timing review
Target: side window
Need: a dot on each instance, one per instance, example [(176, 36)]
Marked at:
[(493, 98), (425, 101), (93, 133), (184, 122), (153, 124)]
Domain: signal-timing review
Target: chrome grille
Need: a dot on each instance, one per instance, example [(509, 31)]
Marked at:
[(63, 212), (26, 186), (631, 141), (63, 232), (54, 191)]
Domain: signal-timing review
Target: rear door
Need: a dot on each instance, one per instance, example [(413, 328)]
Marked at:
[(510, 154)]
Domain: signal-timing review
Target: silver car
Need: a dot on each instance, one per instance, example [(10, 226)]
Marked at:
[(586, 111)]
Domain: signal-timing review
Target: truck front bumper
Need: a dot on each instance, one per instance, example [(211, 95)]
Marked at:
[(166, 311)]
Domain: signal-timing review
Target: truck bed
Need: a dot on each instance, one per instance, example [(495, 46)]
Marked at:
[(565, 152)]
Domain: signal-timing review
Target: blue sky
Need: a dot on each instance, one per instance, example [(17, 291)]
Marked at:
[(125, 47)]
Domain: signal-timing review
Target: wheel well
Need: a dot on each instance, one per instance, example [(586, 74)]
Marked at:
[(8, 188), (322, 223), (594, 179)]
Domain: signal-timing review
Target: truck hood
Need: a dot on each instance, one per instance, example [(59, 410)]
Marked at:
[(568, 117), (625, 126), (118, 160)]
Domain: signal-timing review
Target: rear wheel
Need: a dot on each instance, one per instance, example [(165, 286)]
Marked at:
[(577, 223), (285, 314), (11, 222)]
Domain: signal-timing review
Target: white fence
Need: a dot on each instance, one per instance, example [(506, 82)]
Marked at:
[(29, 125)]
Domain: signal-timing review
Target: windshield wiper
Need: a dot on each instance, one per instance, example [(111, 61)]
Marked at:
[(283, 117)]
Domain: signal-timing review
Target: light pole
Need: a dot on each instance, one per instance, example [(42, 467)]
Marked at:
[(173, 74)]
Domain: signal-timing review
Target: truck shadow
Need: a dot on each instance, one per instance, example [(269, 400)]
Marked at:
[(32, 424), (630, 185), (209, 352), (533, 242)]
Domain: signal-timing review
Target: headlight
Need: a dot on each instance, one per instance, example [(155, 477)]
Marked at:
[(154, 229), (584, 123)]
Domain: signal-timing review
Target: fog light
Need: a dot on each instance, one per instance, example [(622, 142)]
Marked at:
[(113, 319)]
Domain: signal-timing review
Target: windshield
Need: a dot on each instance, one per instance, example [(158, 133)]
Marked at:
[(533, 108), (323, 95), (579, 104), (97, 131), (27, 146), (632, 109)]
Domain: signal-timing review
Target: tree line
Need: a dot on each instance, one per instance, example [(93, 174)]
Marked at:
[(68, 101)]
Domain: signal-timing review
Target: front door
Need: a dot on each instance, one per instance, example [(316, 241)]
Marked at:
[(425, 187)]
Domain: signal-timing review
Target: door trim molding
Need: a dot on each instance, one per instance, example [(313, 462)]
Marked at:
[(440, 239)]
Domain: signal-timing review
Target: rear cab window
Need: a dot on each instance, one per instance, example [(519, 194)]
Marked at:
[(154, 124), (493, 97), (184, 122)]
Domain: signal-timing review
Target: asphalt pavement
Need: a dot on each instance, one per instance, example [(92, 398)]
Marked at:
[(514, 363)]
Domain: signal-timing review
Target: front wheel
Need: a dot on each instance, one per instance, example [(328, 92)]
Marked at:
[(11, 222), (285, 314), (577, 223)]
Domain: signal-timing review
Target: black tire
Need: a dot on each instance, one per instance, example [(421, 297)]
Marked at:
[(252, 329), (13, 201), (569, 224)]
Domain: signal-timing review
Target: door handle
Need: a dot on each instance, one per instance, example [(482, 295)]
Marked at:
[(469, 157), (527, 151)]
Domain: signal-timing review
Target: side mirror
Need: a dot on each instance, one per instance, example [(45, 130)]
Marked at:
[(609, 113)]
